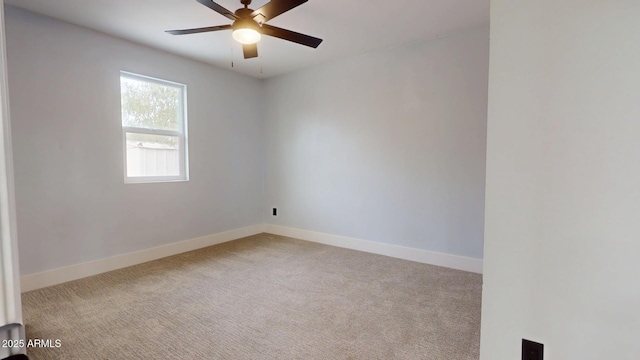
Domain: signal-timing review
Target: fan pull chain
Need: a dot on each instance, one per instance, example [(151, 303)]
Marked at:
[(261, 67), (232, 57)]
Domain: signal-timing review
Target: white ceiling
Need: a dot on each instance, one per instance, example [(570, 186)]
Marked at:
[(347, 27)]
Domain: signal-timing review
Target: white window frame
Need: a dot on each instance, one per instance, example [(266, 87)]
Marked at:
[(181, 134)]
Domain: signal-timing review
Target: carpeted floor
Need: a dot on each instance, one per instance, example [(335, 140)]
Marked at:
[(262, 297)]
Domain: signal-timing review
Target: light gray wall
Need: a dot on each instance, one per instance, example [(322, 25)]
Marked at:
[(562, 237), (72, 203), (388, 146)]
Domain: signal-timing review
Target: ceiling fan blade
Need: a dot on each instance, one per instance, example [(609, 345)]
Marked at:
[(275, 8), (250, 51), (219, 9), (199, 30), (291, 36)]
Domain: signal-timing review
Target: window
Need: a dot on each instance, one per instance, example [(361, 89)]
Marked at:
[(154, 129)]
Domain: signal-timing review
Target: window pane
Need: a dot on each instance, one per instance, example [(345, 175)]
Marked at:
[(152, 155), (150, 105)]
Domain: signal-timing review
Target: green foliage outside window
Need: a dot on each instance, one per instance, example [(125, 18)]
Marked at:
[(149, 105)]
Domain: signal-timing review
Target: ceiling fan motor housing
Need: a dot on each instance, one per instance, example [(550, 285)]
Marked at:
[(244, 13)]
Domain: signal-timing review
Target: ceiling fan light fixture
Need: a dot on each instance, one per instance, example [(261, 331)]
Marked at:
[(246, 36)]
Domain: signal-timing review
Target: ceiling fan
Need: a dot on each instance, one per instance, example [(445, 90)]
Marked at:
[(249, 25)]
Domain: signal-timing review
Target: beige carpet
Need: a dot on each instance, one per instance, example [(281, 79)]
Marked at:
[(262, 297)]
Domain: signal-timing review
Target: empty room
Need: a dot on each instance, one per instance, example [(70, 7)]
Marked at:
[(295, 179)]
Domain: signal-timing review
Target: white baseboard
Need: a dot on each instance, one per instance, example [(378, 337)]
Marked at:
[(79, 271), (74, 272), (396, 251)]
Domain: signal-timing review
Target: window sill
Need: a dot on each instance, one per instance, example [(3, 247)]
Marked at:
[(152, 181)]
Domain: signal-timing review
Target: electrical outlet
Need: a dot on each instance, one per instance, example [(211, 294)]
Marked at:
[(532, 350), (275, 212)]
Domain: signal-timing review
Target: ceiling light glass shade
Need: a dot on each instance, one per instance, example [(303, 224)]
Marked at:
[(246, 36)]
